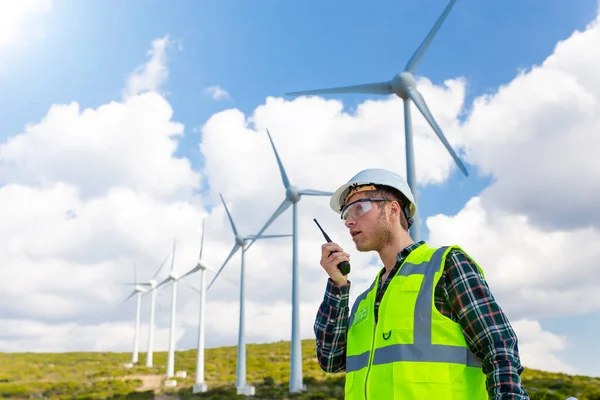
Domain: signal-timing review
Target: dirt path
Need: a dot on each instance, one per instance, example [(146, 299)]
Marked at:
[(164, 397), (149, 382)]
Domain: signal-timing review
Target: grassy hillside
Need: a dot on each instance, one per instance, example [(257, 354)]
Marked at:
[(103, 375)]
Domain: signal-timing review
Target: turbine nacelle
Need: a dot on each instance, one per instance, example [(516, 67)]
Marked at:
[(240, 240), (401, 82), (293, 194), (200, 266)]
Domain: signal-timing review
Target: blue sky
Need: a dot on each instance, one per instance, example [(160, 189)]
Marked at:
[(254, 50), (258, 51)]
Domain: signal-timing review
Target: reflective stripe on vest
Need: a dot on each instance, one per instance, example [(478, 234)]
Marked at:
[(422, 349)]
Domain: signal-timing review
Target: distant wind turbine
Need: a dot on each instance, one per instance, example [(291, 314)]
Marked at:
[(200, 385), (152, 283), (292, 196), (174, 279), (404, 86), (171, 278), (137, 291), (240, 243)]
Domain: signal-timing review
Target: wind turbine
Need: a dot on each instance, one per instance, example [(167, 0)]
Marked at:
[(404, 86), (240, 243), (174, 279), (152, 283), (292, 196), (171, 278), (137, 291), (200, 385)]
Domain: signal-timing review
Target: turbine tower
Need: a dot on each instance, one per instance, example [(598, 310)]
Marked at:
[(171, 278), (152, 290), (200, 385), (404, 86), (292, 196), (137, 291), (240, 243), (152, 283)]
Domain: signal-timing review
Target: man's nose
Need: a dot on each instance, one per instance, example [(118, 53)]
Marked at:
[(349, 222)]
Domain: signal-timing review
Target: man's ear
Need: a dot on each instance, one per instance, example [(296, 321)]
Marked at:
[(395, 208)]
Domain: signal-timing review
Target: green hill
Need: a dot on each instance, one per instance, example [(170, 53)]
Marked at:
[(104, 376)]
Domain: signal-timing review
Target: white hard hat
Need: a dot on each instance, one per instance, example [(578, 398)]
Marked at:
[(374, 176)]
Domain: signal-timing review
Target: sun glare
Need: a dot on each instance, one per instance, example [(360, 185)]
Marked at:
[(14, 15)]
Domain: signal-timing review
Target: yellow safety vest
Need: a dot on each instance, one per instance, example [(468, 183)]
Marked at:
[(413, 352)]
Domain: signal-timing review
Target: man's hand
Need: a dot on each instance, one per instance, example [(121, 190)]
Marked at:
[(331, 255)]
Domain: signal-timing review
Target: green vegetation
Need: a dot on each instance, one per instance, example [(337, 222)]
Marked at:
[(104, 376)]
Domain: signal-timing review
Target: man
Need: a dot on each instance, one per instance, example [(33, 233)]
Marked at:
[(428, 327)]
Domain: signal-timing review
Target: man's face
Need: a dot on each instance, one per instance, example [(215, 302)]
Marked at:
[(368, 223)]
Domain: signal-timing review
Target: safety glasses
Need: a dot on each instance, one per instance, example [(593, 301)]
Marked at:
[(359, 207)]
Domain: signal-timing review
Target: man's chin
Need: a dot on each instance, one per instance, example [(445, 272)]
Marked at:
[(362, 247)]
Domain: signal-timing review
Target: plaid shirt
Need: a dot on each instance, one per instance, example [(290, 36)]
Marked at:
[(462, 295)]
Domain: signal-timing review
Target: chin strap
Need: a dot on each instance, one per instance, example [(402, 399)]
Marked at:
[(406, 214)]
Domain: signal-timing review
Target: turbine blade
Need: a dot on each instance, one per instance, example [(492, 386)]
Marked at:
[(166, 285), (191, 271), (167, 280), (235, 232), (284, 178), (416, 97), (202, 240), (159, 268), (282, 207), (233, 251), (254, 237), (368, 88), (416, 57), (211, 269), (190, 286), (310, 192), (130, 296), (173, 258)]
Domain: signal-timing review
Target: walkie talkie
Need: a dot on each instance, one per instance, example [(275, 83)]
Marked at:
[(344, 266)]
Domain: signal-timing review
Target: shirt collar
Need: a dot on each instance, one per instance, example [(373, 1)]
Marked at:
[(403, 254)]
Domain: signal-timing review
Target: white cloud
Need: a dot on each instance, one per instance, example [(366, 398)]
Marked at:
[(318, 129), (31, 336), (538, 348), (86, 193), (524, 264), (536, 137), (128, 144), (151, 75), (70, 255), (217, 92)]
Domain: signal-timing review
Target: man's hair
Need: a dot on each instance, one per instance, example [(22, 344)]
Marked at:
[(390, 193)]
